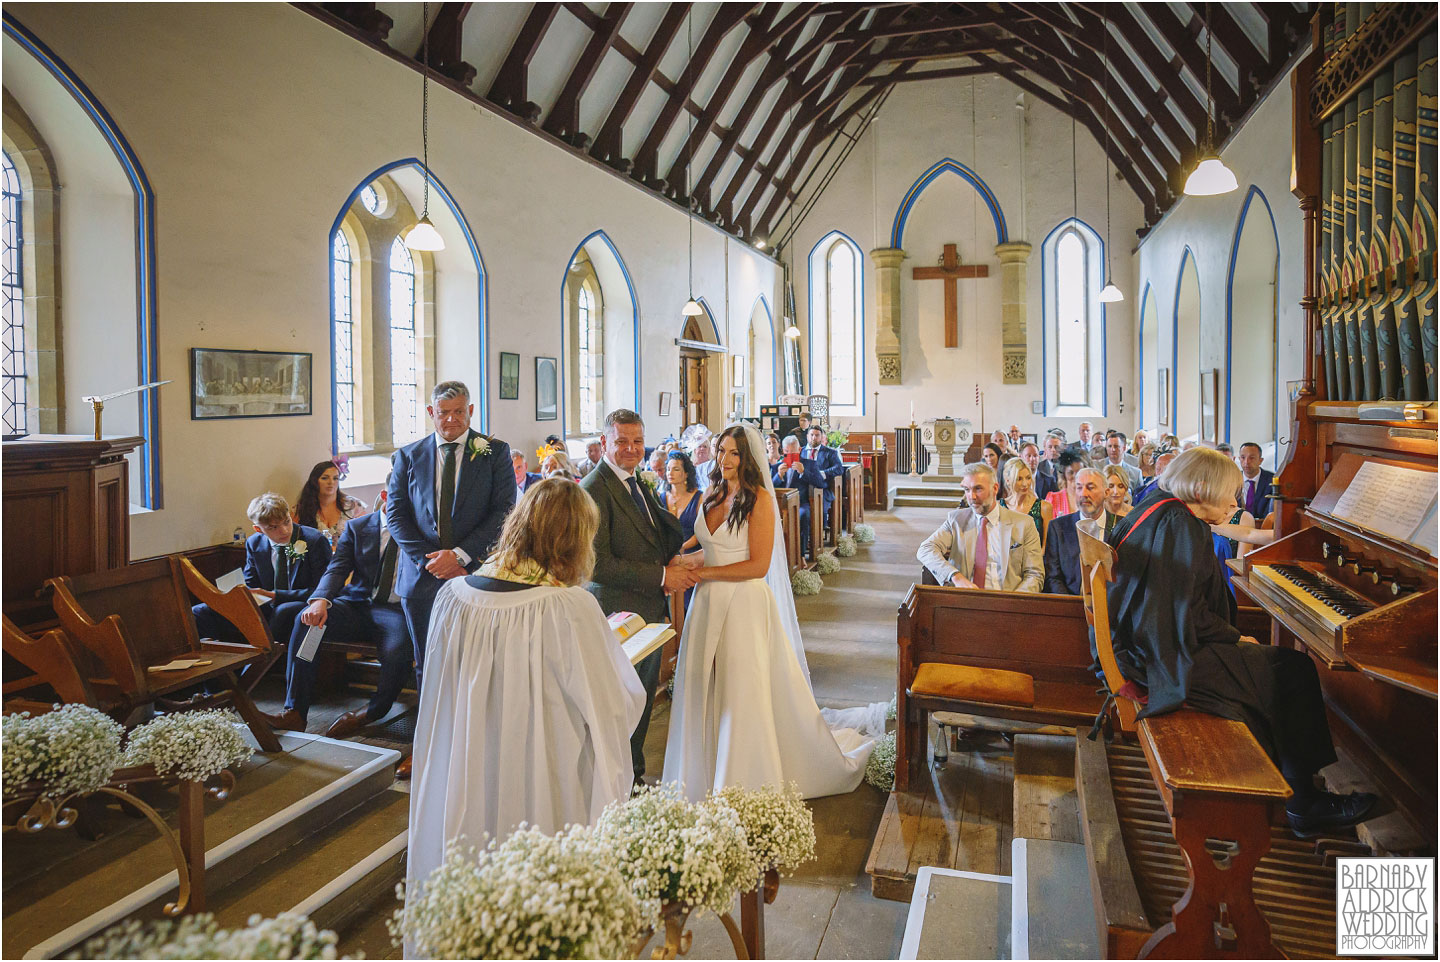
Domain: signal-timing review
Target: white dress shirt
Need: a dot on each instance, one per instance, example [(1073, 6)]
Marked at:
[(461, 555), (994, 547)]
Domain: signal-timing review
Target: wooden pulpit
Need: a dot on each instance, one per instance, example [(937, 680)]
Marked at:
[(66, 512)]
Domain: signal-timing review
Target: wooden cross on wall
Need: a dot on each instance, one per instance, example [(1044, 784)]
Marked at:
[(950, 271)]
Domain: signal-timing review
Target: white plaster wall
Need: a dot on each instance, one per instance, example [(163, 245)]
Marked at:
[(1259, 154), (254, 122), (1024, 157)]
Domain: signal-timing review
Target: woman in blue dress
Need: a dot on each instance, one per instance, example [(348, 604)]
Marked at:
[(680, 495)]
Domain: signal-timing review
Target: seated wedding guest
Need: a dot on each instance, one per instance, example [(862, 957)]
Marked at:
[(704, 461), (1117, 490), (1050, 458), (1225, 449), (984, 545), (1063, 572), (1255, 491), (1137, 444), (1174, 630), (1002, 441), (554, 441), (826, 458), (1082, 446), (1145, 461), (1164, 454), (524, 477), (657, 463), (528, 700), (773, 453), (1115, 457), (681, 491), (323, 506), (592, 457), (802, 430), (1020, 482), (354, 602), (283, 564), (1014, 438), (1044, 483), (557, 465), (994, 456), (1067, 465), (797, 471)]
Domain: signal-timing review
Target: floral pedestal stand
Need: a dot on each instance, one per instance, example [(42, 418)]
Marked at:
[(747, 938), (186, 844)]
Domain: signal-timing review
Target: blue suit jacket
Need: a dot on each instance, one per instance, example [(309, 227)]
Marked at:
[(803, 478), (828, 461), (1063, 572), (485, 495), (305, 572), (530, 478), (1262, 496), (357, 557)]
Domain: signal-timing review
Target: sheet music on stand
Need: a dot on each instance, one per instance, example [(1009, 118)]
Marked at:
[(1392, 501)]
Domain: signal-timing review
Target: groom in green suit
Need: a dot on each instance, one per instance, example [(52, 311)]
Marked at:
[(634, 548)]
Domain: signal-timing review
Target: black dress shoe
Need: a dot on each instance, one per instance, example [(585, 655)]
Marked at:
[(1329, 812)]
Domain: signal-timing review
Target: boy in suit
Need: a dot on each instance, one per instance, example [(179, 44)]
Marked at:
[(283, 564), (635, 545), (365, 609), (984, 545)]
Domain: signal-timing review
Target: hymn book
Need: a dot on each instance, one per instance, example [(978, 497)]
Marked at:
[(638, 638)]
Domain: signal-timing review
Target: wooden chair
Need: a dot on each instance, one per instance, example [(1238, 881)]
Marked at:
[(132, 619), (1097, 561), (53, 663)]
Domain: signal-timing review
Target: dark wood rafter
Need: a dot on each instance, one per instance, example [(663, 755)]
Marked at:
[(364, 17), (1191, 106), (608, 146), (1249, 59), (510, 89), (564, 118), (445, 34), (1184, 38)]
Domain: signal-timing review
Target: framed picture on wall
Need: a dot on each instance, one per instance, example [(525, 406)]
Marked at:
[(547, 394), (509, 376), (1209, 405), (248, 384), (667, 398), (1163, 382)]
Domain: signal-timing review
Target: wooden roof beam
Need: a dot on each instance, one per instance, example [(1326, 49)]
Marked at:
[(364, 17), (608, 146), (1192, 106), (510, 89), (1184, 39), (443, 42), (564, 118)]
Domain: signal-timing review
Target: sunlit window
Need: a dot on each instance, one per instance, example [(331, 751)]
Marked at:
[(404, 391), (342, 267), (1072, 256), (16, 396)]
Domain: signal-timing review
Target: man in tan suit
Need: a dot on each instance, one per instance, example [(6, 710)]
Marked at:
[(985, 545)]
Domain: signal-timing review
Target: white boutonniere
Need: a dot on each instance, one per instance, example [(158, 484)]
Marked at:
[(296, 550), (650, 479), (478, 446)]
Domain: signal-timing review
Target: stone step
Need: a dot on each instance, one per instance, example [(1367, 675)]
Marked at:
[(60, 889), (1052, 914), (959, 915)]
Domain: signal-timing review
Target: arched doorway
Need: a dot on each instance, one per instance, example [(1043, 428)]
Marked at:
[(1186, 334), (702, 371), (1251, 406), (1149, 360)]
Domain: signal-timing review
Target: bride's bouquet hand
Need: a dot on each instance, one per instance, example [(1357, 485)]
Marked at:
[(695, 559)]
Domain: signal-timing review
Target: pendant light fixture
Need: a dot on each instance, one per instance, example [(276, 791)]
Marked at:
[(1210, 176), (692, 307), (1110, 294), (423, 236)]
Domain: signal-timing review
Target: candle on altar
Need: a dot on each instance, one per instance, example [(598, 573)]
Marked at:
[(912, 412)]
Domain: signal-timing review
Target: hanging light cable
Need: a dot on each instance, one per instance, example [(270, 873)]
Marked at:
[(692, 307), (423, 236), (1210, 176), (791, 330), (1110, 294)]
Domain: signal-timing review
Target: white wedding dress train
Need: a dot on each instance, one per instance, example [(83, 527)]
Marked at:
[(743, 712)]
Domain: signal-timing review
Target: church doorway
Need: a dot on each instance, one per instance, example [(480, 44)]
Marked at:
[(695, 385)]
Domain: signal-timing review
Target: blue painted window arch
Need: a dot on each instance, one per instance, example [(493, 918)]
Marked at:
[(837, 323), (1072, 271)]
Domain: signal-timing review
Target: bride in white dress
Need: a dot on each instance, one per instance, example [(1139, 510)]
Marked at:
[(743, 712)]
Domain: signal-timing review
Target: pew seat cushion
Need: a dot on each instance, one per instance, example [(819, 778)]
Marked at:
[(968, 683)]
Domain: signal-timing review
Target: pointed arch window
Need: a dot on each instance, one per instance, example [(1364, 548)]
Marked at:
[(1072, 259), (404, 390), (591, 360), (342, 272), (837, 323), (15, 393)]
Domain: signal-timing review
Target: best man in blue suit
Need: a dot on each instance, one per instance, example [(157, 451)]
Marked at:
[(448, 496), (826, 459), (796, 471), (1255, 482), (365, 609), (299, 555)]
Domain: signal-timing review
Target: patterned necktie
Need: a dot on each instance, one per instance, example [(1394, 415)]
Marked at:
[(282, 569), (982, 553), (638, 498), (447, 497), (386, 582)]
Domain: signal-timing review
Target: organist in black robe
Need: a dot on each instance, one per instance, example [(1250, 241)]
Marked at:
[(1173, 628)]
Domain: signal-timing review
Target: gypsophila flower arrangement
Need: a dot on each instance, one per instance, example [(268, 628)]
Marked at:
[(533, 896), (72, 749), (678, 852), (845, 546), (864, 534), (779, 826), (199, 937), (192, 746), (806, 582), (826, 563), (892, 710), (880, 770)]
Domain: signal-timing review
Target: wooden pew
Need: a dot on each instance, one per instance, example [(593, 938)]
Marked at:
[(817, 525), (1219, 790), (835, 522), (789, 503), (854, 496), (983, 630), (53, 663), (130, 619)]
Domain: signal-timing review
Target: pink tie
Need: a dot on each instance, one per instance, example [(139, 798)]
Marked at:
[(982, 553)]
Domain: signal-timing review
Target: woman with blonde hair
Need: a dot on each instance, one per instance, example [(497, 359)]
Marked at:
[(1117, 490), (529, 700), (557, 464), (1020, 485), (1173, 626)]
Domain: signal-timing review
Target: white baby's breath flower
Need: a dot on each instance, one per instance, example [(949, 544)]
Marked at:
[(192, 746), (805, 582), (826, 563), (880, 770), (864, 534), (779, 826), (72, 749), (199, 937), (845, 546)]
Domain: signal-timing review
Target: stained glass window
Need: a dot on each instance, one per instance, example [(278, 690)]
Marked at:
[(404, 389), (342, 266), (15, 395)]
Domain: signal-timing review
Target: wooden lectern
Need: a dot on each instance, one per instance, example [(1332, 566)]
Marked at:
[(66, 512)]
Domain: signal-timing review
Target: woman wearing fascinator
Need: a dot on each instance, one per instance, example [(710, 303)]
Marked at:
[(743, 711)]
